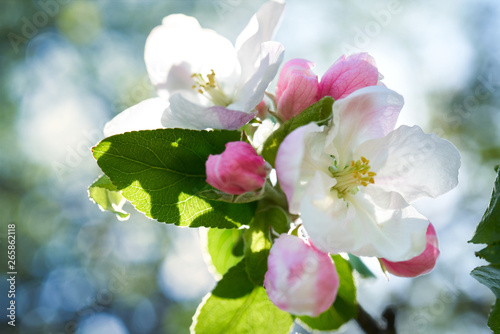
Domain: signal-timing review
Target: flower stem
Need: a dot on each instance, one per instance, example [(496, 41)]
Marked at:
[(276, 195)]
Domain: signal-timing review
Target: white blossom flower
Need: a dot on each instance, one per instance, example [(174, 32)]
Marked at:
[(353, 181), (202, 80)]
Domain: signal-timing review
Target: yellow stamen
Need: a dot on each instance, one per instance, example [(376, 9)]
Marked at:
[(352, 177), (210, 88)]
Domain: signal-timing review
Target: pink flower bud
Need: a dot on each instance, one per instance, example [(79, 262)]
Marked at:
[(420, 264), (237, 170), (297, 88), (300, 279), (347, 75)]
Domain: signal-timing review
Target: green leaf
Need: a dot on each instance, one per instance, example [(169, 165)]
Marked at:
[(490, 254), (257, 246), (344, 308), (220, 245), (277, 218), (360, 267), (161, 172), (103, 193), (489, 276), (217, 195), (488, 230), (236, 305), (494, 318), (319, 112), (258, 242), (239, 248)]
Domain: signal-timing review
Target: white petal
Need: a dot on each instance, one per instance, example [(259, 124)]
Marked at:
[(145, 115), (360, 227), (368, 113), (180, 47), (395, 234), (260, 29), (252, 91), (324, 214), (298, 158), (414, 164), (185, 114), (385, 199), (264, 130)]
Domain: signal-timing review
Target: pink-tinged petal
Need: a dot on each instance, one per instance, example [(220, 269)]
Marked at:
[(347, 75), (237, 170), (412, 164), (420, 264), (300, 279), (297, 88), (185, 114), (231, 119), (262, 109), (261, 28), (356, 225), (180, 47), (368, 113), (145, 115), (296, 164), (251, 93)]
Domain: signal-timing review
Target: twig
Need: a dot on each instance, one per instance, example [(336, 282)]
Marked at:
[(371, 326)]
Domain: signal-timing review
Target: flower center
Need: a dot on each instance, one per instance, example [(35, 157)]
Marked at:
[(352, 176), (210, 88)]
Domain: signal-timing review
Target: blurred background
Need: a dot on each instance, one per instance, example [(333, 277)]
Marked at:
[(69, 66)]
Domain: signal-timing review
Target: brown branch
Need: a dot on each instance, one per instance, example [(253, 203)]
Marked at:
[(371, 326)]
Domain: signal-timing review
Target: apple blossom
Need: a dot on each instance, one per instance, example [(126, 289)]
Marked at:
[(353, 180), (298, 86), (420, 264), (202, 80), (237, 170), (300, 279)]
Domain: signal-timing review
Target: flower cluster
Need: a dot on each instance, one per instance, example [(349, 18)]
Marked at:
[(345, 182)]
